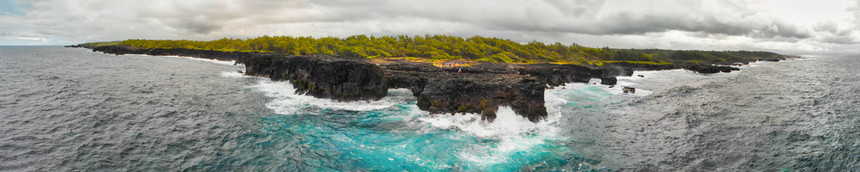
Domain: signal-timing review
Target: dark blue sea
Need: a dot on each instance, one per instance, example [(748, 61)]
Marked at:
[(70, 109)]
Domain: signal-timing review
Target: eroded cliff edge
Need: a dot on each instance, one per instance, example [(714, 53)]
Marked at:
[(481, 87)]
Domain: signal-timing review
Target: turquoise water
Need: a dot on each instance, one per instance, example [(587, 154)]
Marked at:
[(394, 135)]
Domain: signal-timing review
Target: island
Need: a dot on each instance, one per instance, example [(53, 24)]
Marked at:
[(447, 74)]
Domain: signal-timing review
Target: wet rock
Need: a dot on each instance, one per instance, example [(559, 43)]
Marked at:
[(630, 90), (556, 75), (321, 76), (481, 88), (480, 94), (710, 68), (609, 81)]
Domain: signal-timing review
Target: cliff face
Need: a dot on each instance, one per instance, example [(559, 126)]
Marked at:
[(482, 88), (478, 88), (484, 94), (557, 75), (321, 76)]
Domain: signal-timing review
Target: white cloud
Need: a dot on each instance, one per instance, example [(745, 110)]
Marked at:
[(674, 24), (31, 39)]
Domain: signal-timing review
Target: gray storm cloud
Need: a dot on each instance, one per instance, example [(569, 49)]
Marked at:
[(521, 20)]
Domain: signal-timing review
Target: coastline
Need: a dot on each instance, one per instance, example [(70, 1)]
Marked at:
[(481, 87)]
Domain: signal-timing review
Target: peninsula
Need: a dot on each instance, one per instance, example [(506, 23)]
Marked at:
[(447, 74)]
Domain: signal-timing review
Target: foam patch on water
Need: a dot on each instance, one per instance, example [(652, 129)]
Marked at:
[(231, 62), (487, 155), (234, 75), (666, 79), (221, 62), (753, 64), (506, 124), (617, 89), (286, 101), (513, 135)]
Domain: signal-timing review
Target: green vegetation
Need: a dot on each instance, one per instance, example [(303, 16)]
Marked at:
[(639, 62), (441, 47), (98, 44), (696, 56)]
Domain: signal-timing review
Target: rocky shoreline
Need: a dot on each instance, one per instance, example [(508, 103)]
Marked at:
[(478, 88)]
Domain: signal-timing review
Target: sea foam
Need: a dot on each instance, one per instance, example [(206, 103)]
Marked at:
[(286, 101), (504, 141), (221, 62)]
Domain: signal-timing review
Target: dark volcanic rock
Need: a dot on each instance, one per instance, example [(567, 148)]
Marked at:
[(484, 94), (321, 76), (609, 81), (557, 75), (482, 88), (209, 54), (630, 90), (120, 50), (710, 68)]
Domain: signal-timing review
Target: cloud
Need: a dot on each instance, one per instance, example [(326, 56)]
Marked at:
[(31, 39), (704, 24)]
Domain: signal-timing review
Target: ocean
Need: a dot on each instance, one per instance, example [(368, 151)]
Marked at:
[(70, 109)]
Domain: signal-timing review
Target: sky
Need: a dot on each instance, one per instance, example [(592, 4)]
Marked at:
[(786, 26)]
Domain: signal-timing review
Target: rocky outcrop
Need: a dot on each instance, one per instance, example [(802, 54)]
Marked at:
[(484, 94), (710, 68), (557, 75), (209, 54), (321, 76), (119, 50), (480, 87)]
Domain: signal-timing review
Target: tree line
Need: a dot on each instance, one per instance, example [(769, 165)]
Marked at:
[(443, 47)]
